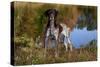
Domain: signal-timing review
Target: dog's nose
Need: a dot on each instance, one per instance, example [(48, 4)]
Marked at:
[(51, 18)]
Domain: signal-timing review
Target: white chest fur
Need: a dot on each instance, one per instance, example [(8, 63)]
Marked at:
[(54, 32)]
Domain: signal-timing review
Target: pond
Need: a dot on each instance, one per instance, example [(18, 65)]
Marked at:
[(82, 36)]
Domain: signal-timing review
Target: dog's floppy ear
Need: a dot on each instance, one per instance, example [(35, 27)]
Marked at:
[(56, 12)]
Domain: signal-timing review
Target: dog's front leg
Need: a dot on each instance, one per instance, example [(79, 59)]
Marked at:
[(56, 48), (70, 44), (46, 45)]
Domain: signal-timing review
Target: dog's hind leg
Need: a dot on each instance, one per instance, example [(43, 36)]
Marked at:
[(70, 44), (65, 43)]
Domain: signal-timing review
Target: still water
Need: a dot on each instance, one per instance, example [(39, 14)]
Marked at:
[(82, 36)]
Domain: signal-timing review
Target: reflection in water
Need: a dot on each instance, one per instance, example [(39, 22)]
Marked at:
[(82, 36)]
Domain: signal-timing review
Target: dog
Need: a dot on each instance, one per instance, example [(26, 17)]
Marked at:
[(54, 31)]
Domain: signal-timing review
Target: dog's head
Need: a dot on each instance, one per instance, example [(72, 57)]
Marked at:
[(51, 12)]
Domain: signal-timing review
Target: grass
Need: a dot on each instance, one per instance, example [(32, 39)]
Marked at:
[(35, 55)]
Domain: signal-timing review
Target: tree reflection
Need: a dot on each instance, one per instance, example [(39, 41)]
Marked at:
[(87, 18)]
